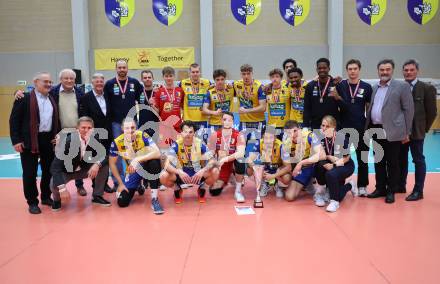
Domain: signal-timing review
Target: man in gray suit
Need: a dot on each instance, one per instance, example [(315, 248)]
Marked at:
[(391, 112), (425, 111)]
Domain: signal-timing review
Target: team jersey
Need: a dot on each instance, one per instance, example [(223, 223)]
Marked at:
[(169, 102), (297, 101), (219, 100), (138, 147), (189, 158), (295, 152), (193, 99), (278, 106), (268, 156), (249, 97), (220, 144)]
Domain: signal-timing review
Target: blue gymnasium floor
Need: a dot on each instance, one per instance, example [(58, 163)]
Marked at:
[(10, 161)]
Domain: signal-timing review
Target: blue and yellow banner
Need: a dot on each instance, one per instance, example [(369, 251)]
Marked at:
[(246, 11), (294, 12), (371, 11), (422, 11), (119, 12), (142, 58), (167, 11)]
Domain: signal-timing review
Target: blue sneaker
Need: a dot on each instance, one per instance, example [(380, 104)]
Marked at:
[(155, 205)]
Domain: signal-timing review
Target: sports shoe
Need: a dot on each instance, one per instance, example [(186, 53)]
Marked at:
[(319, 199), (264, 189), (81, 191), (239, 197), (333, 206), (47, 202), (353, 189), (201, 195), (155, 205), (109, 189), (279, 191), (99, 200), (362, 191), (326, 195), (141, 189), (56, 205), (178, 196)]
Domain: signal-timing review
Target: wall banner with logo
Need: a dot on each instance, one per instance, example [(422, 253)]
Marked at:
[(119, 12), (371, 11), (294, 12), (167, 11), (422, 11), (141, 58), (246, 11)]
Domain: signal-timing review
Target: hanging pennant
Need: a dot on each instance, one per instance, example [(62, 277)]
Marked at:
[(422, 11), (246, 11), (119, 12), (167, 11), (294, 12), (371, 11)]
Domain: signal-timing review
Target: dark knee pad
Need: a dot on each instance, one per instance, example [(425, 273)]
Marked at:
[(239, 168), (124, 198), (216, 191)]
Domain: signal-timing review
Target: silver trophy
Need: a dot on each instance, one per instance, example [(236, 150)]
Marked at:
[(258, 174)]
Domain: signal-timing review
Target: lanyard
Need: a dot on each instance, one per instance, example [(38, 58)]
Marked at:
[(172, 96), (123, 89), (327, 146), (246, 94), (321, 94), (195, 88), (276, 95), (353, 95)]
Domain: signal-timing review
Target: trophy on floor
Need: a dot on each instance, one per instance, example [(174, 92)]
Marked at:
[(258, 174)]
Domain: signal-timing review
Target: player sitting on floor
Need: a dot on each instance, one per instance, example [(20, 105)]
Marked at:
[(189, 162), (142, 156), (229, 147)]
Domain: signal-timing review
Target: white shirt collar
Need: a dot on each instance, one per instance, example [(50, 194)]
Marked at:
[(96, 94), (414, 82), (62, 89), (387, 84), (40, 94)]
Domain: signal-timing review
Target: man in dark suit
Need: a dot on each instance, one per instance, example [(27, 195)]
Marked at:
[(67, 98), (391, 113), (79, 156), (95, 104), (425, 111), (34, 123)]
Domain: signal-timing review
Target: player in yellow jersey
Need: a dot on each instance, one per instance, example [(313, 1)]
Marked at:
[(189, 162), (252, 101), (297, 88), (302, 149), (287, 64), (195, 89), (218, 100), (276, 172), (278, 102), (142, 156)]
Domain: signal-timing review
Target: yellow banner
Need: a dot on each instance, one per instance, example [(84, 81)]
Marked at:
[(142, 58)]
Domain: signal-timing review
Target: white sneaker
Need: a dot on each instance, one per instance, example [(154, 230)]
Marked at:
[(362, 192), (279, 191), (319, 200), (333, 206), (239, 197), (354, 189), (264, 189)]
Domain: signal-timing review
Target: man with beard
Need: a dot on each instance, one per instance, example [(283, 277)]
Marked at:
[(147, 115), (297, 88), (391, 113)]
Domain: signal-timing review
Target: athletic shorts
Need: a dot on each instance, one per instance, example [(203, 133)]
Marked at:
[(132, 181), (305, 176)]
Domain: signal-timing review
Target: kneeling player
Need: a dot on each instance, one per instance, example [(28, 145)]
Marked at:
[(302, 149), (268, 152), (142, 156), (189, 162), (229, 146)]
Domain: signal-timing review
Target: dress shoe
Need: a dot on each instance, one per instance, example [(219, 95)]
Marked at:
[(34, 209), (47, 201), (389, 198), (414, 196), (81, 191), (376, 194)]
